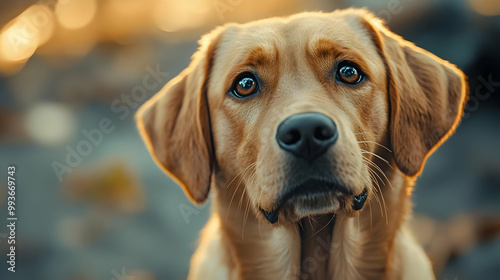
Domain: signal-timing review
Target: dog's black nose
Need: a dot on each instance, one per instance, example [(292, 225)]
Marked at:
[(307, 135)]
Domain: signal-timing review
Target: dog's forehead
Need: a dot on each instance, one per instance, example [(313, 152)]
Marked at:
[(295, 35)]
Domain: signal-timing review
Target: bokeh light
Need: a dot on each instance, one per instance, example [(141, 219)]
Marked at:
[(16, 43), (20, 38), (74, 14), (50, 124), (174, 15)]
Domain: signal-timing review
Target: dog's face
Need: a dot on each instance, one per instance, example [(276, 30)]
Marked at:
[(297, 110), (293, 107)]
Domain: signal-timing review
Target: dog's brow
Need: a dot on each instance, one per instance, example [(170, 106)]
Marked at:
[(260, 57), (326, 48)]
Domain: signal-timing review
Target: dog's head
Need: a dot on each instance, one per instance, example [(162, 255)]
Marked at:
[(296, 110)]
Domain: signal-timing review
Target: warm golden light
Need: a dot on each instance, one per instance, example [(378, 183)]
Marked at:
[(172, 16), (124, 19), (16, 43), (74, 14), (486, 7), (24, 34), (42, 18)]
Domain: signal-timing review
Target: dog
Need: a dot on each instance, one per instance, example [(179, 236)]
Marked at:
[(310, 131)]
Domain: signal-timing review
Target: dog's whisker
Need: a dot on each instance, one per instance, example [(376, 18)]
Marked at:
[(249, 166), (378, 144), (379, 169), (383, 200), (231, 201), (375, 173), (371, 215), (382, 172), (237, 187), (362, 133), (241, 201), (252, 177), (382, 197), (369, 161), (245, 218), (242, 194), (379, 202), (374, 154), (380, 205), (376, 191)]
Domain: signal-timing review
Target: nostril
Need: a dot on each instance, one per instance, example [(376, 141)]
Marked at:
[(323, 133), (291, 137), (307, 135)]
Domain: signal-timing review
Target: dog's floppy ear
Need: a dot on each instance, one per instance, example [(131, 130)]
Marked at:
[(426, 95), (175, 124)]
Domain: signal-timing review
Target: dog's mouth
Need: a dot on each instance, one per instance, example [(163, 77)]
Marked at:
[(313, 196)]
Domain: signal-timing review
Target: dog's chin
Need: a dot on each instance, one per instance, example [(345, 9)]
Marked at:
[(313, 197), (309, 205), (301, 206)]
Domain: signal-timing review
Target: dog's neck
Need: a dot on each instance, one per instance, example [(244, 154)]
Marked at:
[(316, 242), (331, 247)]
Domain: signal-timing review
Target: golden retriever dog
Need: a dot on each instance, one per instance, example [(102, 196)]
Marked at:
[(309, 131)]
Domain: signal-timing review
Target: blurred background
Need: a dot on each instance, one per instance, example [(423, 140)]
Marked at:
[(91, 204)]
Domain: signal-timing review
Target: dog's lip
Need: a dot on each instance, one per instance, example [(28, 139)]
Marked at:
[(308, 188), (359, 200), (271, 216)]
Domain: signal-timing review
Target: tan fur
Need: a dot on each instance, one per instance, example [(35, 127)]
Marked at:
[(410, 103)]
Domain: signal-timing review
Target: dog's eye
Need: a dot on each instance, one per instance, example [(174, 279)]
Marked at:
[(245, 85), (349, 73)]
